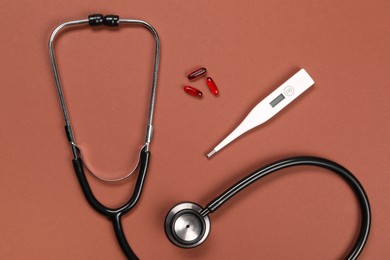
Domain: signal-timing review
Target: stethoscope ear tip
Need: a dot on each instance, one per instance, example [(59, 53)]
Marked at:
[(185, 226)]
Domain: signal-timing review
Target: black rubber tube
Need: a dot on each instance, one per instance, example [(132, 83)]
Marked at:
[(121, 237), (309, 161), (115, 214)]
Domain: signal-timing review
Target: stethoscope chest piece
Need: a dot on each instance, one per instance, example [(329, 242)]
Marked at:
[(185, 226)]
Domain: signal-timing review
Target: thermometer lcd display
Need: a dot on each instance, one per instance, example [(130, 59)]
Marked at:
[(277, 100)]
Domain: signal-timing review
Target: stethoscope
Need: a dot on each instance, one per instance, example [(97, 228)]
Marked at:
[(187, 224), (116, 214)]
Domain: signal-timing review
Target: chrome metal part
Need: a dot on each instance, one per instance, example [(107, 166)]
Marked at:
[(185, 226)]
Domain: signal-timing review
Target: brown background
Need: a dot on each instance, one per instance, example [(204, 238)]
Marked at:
[(249, 48)]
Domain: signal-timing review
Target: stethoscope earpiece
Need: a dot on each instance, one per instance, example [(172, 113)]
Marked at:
[(185, 226)]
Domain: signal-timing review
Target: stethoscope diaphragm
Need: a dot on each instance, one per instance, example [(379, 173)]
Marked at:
[(185, 226)]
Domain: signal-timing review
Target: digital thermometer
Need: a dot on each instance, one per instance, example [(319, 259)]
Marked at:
[(270, 106)]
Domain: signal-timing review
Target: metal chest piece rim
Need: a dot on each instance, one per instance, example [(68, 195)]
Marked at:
[(185, 226)]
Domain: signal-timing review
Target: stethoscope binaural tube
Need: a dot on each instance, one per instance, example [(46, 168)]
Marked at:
[(110, 21), (116, 214), (184, 229)]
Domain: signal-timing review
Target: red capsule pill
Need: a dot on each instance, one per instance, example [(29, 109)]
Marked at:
[(196, 73), (193, 91), (212, 86)]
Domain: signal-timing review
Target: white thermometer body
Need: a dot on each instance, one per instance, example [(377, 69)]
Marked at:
[(270, 106)]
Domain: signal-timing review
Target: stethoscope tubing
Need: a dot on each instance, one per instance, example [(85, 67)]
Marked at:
[(365, 211), (116, 214)]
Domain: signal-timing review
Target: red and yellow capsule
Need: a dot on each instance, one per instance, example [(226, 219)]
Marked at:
[(212, 86), (197, 73), (193, 91)]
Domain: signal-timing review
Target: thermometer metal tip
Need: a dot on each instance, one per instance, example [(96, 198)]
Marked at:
[(270, 106), (211, 153)]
